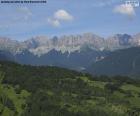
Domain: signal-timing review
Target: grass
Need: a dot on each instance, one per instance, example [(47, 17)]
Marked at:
[(129, 87), (94, 83)]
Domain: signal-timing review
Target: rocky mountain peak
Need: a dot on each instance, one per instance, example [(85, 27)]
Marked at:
[(40, 45)]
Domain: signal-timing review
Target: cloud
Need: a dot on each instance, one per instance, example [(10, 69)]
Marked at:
[(54, 22), (24, 10), (59, 17), (125, 10), (4, 27), (24, 13), (103, 3), (63, 15)]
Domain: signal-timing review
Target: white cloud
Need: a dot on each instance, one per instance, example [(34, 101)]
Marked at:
[(125, 10), (63, 15), (54, 22), (103, 3), (24, 13), (59, 17), (19, 16), (24, 10)]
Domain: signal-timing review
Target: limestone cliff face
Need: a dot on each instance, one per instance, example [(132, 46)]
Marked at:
[(41, 45)]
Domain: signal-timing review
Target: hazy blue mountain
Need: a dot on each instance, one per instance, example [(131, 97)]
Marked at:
[(75, 60), (4, 55), (121, 62)]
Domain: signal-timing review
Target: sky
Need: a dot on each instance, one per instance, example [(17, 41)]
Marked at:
[(65, 17)]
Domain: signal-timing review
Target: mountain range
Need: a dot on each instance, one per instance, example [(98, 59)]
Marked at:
[(42, 44), (78, 52)]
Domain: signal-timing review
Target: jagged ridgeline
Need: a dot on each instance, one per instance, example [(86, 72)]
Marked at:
[(75, 52), (52, 91)]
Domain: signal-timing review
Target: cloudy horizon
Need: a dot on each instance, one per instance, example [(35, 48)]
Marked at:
[(101, 17)]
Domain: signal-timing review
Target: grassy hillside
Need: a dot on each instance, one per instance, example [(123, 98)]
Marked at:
[(52, 91)]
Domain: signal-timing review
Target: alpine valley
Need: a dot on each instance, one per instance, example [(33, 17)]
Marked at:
[(85, 52)]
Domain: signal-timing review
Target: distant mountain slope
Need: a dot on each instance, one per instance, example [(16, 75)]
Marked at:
[(7, 56), (75, 60), (121, 62)]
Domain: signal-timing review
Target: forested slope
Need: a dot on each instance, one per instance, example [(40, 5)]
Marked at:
[(52, 91)]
